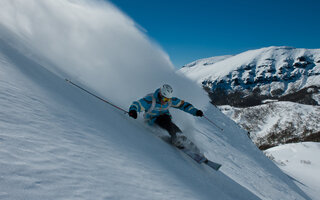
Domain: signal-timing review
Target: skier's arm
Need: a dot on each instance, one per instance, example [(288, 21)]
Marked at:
[(142, 104), (185, 106)]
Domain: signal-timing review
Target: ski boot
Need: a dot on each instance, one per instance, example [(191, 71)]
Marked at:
[(178, 142)]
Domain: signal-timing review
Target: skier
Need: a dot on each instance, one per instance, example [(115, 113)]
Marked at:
[(156, 107)]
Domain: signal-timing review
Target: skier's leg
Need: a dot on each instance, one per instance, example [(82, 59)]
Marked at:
[(175, 128), (164, 121)]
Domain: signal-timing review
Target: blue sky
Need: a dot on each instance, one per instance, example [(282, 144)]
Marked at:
[(192, 29)]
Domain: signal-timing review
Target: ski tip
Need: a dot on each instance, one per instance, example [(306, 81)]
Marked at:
[(214, 165)]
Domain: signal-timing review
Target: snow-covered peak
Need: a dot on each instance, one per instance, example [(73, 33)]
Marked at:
[(207, 61), (270, 57), (271, 72)]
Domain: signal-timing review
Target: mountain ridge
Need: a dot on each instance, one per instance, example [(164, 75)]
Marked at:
[(274, 94), (258, 81), (256, 75)]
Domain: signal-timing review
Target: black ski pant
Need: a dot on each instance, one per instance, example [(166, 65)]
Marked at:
[(164, 121)]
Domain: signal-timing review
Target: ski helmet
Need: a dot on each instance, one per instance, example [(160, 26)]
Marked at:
[(166, 91)]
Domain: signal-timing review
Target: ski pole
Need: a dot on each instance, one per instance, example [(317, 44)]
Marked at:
[(212, 122), (211, 140), (96, 96)]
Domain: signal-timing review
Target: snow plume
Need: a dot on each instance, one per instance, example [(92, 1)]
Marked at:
[(95, 44)]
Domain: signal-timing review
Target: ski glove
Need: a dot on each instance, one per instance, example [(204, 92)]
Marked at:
[(133, 114), (199, 113)]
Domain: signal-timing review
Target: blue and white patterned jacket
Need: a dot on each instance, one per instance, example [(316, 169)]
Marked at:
[(151, 105)]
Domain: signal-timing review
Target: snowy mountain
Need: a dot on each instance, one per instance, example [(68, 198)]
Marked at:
[(260, 84), (58, 142), (246, 79), (276, 123), (273, 93)]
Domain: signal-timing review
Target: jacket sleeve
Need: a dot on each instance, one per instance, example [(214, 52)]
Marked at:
[(142, 104), (183, 105)]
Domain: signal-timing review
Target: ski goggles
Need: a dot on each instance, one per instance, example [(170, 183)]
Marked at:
[(165, 99)]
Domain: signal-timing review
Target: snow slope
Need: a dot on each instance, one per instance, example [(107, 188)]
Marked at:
[(301, 162), (57, 142)]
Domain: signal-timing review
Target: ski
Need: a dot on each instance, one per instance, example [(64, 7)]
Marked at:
[(193, 152), (201, 159), (213, 165)]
